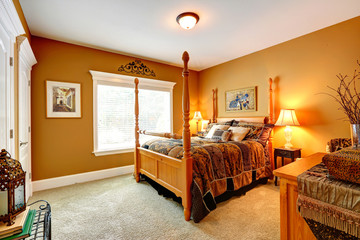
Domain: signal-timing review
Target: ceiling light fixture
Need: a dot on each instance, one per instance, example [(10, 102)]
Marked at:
[(187, 20)]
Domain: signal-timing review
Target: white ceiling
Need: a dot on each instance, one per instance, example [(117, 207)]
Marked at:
[(227, 29)]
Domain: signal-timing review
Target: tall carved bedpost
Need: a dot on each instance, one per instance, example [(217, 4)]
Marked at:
[(137, 142), (214, 105), (271, 120), (187, 159)]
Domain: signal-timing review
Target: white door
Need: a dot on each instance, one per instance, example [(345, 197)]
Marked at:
[(5, 115), (24, 123)]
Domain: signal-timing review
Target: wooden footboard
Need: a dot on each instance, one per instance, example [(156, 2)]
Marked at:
[(165, 170)]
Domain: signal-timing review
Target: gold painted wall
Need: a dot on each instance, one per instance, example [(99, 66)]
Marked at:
[(64, 146), (302, 68)]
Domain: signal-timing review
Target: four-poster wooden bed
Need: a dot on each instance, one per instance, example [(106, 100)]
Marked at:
[(173, 173)]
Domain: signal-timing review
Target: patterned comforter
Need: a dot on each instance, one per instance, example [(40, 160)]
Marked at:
[(217, 167)]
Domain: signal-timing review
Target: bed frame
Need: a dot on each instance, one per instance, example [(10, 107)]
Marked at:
[(172, 173)]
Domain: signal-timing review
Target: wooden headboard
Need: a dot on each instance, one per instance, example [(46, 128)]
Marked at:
[(246, 119)]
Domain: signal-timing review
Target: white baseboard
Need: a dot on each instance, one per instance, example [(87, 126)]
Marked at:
[(80, 178)]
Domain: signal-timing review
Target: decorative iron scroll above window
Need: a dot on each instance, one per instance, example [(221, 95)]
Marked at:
[(137, 67)]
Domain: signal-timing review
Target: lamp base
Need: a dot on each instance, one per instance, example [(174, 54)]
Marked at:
[(288, 135), (288, 145)]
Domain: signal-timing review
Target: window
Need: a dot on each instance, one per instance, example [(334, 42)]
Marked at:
[(114, 121)]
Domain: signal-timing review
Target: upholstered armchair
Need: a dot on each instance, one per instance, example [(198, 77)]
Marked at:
[(336, 144)]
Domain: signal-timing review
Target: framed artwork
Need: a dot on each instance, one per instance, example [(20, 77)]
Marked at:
[(63, 99), (241, 100)]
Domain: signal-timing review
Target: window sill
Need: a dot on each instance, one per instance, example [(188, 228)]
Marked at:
[(111, 152)]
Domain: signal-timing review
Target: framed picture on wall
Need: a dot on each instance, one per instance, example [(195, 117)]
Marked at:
[(241, 100), (63, 99)]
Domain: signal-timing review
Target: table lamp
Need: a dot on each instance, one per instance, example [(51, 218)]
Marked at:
[(287, 118), (204, 125), (197, 117)]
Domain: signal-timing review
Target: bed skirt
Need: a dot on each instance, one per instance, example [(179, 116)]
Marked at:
[(199, 211)]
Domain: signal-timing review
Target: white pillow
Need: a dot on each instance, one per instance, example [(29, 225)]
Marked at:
[(216, 127), (238, 133)]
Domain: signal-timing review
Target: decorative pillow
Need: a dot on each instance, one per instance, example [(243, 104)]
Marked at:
[(255, 128), (214, 128), (221, 135), (238, 133), (209, 126), (265, 134), (337, 144), (227, 122), (258, 131), (226, 136), (344, 164), (235, 123)]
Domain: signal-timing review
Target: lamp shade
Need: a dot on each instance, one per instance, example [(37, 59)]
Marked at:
[(187, 20), (287, 117), (197, 116)]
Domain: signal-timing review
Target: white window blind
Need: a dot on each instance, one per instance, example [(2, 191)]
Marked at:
[(115, 120), (154, 112), (114, 100)]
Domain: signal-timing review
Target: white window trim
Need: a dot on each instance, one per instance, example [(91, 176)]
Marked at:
[(110, 152), (125, 81)]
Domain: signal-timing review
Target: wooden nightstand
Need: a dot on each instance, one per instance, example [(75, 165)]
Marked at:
[(283, 152)]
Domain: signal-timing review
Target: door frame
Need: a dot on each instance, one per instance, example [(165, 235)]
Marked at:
[(10, 21), (27, 58)]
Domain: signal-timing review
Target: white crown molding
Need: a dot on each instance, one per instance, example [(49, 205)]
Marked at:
[(129, 80), (27, 54), (10, 19), (80, 178)]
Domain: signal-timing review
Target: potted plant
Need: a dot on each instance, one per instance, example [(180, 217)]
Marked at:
[(347, 95)]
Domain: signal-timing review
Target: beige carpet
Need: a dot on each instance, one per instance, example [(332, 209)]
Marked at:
[(120, 208)]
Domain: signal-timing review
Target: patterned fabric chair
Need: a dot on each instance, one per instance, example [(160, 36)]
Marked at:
[(336, 144)]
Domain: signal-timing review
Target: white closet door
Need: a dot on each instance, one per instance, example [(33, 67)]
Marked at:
[(24, 123)]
